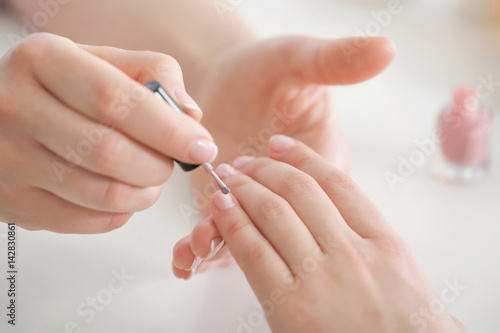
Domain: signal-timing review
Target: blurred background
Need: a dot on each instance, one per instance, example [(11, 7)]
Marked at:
[(452, 228)]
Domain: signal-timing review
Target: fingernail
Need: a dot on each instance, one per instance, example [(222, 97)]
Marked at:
[(187, 101), (280, 143), (240, 162), (225, 170), (203, 151), (215, 245), (223, 202), (196, 262)]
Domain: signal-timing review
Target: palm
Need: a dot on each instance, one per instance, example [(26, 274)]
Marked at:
[(251, 95)]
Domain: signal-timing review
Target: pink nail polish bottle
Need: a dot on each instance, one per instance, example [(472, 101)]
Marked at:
[(465, 129)]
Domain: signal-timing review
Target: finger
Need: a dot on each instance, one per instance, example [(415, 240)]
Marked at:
[(272, 215), (183, 257), (146, 66), (340, 61), (206, 240), (260, 262), (57, 215), (355, 207), (181, 273), (303, 193), (102, 92), (82, 142), (90, 190)]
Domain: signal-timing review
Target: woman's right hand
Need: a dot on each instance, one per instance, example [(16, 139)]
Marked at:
[(84, 144)]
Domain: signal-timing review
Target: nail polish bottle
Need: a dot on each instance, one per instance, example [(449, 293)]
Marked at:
[(465, 130)]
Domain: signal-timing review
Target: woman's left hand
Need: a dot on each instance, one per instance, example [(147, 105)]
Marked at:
[(317, 252), (278, 86)]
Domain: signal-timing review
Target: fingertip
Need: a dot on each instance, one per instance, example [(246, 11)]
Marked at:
[(279, 144), (390, 46), (181, 273), (201, 237), (385, 47), (357, 59), (183, 258)]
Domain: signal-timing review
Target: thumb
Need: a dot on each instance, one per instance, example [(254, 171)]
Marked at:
[(340, 61)]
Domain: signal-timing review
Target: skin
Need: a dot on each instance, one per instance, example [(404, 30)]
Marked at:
[(284, 74), (338, 261), (273, 87), (55, 95)]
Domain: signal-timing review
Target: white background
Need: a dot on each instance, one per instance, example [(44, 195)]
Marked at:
[(452, 229)]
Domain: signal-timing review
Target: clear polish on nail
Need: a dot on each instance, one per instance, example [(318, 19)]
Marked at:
[(280, 143), (204, 150), (223, 202), (186, 101), (240, 162)]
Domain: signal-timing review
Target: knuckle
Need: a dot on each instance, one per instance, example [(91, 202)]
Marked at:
[(167, 60), (107, 155), (302, 161), (34, 47), (235, 227), (298, 182), (165, 65), (356, 253), (106, 100), (255, 253), (172, 136), (8, 102), (336, 180), (274, 207), (395, 246)]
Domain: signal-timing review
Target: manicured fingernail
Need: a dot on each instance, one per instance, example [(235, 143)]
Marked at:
[(215, 245), (196, 262), (225, 170), (240, 162), (280, 143), (223, 202), (186, 101), (203, 151)]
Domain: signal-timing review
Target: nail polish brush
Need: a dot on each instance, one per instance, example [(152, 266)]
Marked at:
[(160, 92)]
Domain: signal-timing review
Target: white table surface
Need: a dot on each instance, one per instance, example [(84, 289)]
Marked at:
[(452, 229)]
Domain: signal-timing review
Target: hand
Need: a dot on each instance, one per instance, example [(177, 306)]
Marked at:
[(84, 144), (278, 86), (317, 252)]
